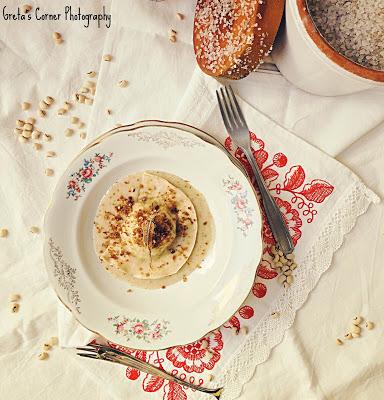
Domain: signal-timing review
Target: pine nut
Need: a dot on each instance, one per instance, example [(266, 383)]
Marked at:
[(123, 83), (74, 120), (355, 335), (293, 266), (43, 356), (49, 100), (14, 297), (285, 268), (357, 320), (53, 341), (290, 256), (281, 278), (35, 134), (23, 139), (288, 272), (41, 113), (25, 106), (88, 101), (34, 229), (68, 132), (210, 377), (172, 38), (107, 57), (59, 41), (84, 90), (81, 125), (49, 172), (61, 111), (339, 342), (67, 105), (286, 285), (50, 154), (275, 314), (80, 98), (3, 232), (37, 146), (47, 137), (244, 330), (280, 253), (369, 325), (278, 264), (348, 336), (180, 16), (108, 111), (26, 8), (15, 307), (27, 127), (18, 131), (56, 35), (20, 123), (83, 135), (91, 74), (290, 279), (93, 91), (30, 120)]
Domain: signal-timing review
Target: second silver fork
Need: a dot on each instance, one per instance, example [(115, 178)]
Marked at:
[(238, 129)]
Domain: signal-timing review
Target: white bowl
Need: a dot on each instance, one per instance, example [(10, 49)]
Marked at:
[(310, 63)]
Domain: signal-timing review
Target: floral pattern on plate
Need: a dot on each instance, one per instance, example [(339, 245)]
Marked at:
[(140, 329), (240, 204), (65, 275), (167, 139), (79, 180)]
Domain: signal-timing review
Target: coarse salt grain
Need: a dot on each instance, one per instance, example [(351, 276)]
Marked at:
[(353, 28)]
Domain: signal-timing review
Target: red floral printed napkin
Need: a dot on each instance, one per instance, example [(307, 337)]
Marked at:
[(320, 199)]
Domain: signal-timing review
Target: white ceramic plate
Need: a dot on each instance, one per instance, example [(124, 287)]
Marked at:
[(185, 311)]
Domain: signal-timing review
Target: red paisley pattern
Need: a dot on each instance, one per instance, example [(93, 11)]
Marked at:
[(298, 199)]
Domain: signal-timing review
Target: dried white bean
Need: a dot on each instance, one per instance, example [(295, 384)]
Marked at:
[(123, 83), (26, 8), (25, 105), (34, 229), (43, 356), (91, 74), (369, 325), (35, 134), (357, 320), (69, 132), (43, 105), (49, 100), (53, 341), (3, 232)]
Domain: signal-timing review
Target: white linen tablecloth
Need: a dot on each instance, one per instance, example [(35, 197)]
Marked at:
[(307, 364)]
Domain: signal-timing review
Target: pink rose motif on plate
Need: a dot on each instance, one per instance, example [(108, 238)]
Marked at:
[(239, 199), (140, 329), (87, 172), (91, 167)]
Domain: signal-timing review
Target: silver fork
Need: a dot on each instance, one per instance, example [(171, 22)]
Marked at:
[(107, 353), (237, 127)]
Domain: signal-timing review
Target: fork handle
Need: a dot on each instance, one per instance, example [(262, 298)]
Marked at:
[(132, 362), (275, 219)]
